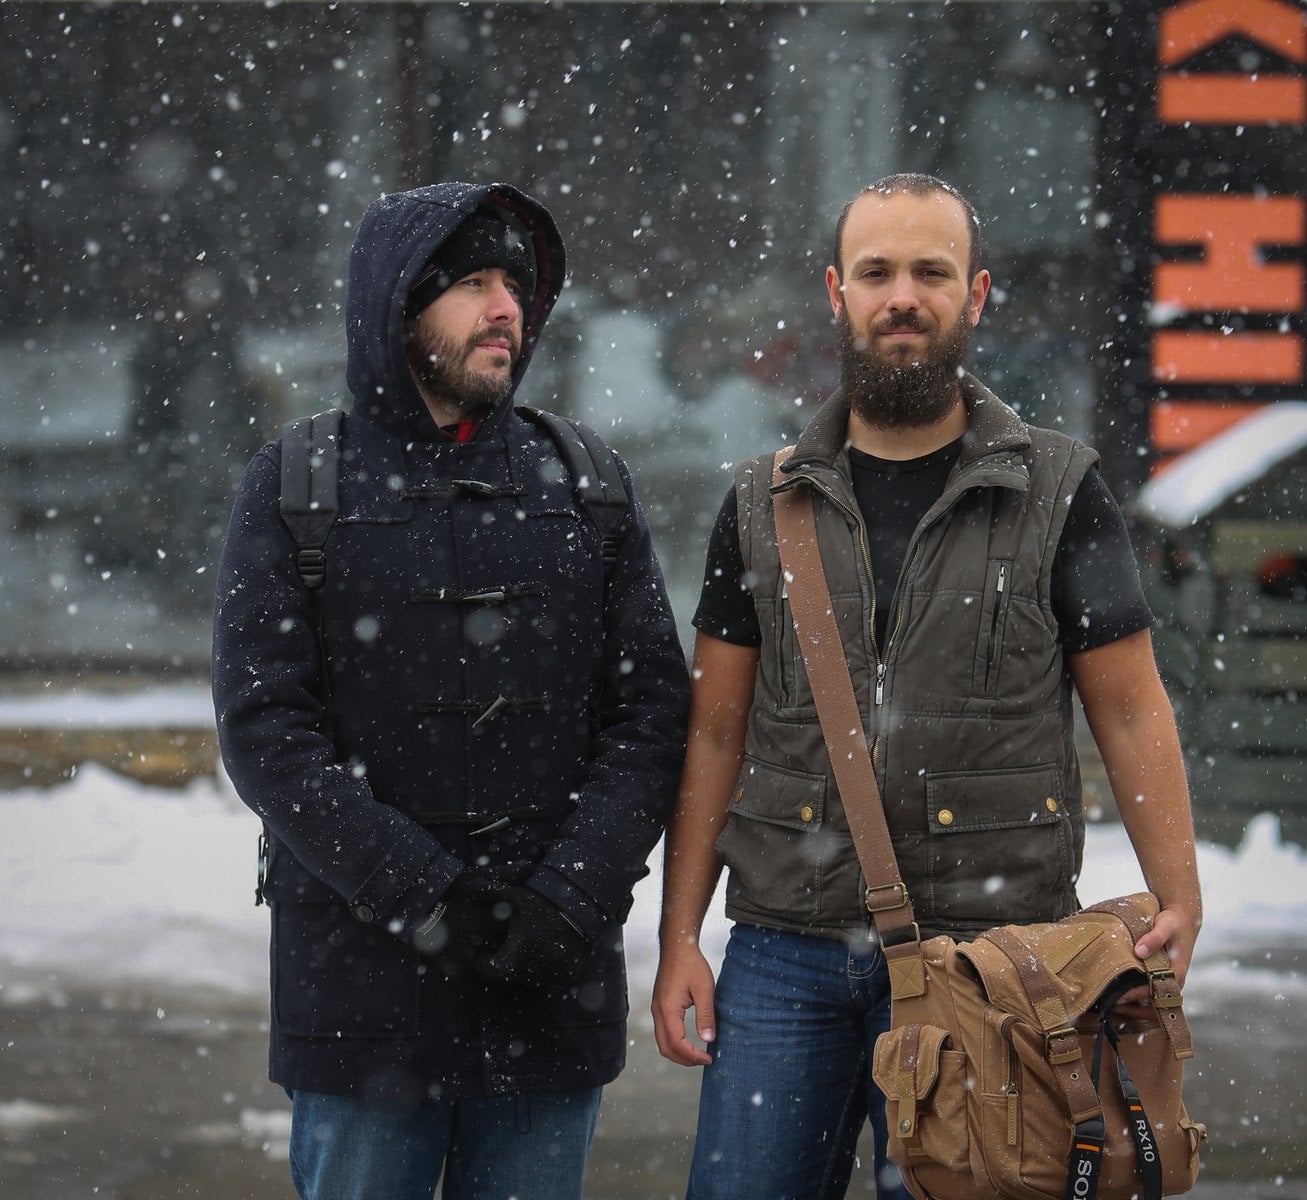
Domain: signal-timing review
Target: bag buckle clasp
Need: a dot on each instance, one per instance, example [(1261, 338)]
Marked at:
[(886, 898), (1056, 1048), (1162, 989)]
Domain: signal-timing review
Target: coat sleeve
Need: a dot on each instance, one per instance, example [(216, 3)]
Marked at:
[(627, 791), (268, 699)]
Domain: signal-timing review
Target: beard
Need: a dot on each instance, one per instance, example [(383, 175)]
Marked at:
[(440, 367), (896, 392)]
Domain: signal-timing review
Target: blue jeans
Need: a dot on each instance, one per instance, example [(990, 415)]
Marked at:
[(789, 1088), (527, 1147)]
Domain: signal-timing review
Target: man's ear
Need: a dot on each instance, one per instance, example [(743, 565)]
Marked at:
[(835, 289), (979, 290)]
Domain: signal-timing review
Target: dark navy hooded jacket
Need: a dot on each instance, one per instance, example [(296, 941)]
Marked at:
[(489, 703)]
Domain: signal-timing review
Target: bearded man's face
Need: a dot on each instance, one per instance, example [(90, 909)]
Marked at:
[(903, 386), (905, 297), (443, 367)]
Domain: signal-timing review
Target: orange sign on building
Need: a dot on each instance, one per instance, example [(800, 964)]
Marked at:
[(1225, 161)]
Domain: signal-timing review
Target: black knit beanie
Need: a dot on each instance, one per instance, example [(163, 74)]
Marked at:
[(484, 240)]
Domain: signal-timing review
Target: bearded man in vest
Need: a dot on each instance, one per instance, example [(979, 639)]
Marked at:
[(463, 746), (980, 571)]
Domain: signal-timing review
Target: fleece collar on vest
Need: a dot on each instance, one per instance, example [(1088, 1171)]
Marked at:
[(993, 447)]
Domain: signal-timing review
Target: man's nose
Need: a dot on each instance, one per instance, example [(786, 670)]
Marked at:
[(502, 304), (903, 293)]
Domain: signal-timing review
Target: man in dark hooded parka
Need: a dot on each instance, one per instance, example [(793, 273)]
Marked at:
[(461, 777)]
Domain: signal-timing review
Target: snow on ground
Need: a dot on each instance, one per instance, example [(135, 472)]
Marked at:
[(180, 707), (21, 1116), (106, 879)]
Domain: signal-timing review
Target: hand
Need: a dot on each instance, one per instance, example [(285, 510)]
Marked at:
[(541, 946), (684, 982), (1176, 929), (475, 919)]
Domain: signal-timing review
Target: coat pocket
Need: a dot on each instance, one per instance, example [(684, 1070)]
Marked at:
[(335, 977), (775, 841), (600, 995)]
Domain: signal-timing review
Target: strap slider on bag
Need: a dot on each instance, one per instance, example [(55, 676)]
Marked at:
[(886, 898), (1163, 990), (312, 565), (1059, 1038)]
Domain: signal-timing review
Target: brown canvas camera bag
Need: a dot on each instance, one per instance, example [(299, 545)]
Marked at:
[(1007, 1076)]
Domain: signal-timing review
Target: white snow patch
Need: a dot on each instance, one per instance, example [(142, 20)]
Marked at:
[(20, 1116), (268, 1131), (153, 708), (106, 879)]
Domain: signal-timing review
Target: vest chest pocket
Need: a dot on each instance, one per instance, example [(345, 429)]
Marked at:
[(793, 695), (994, 604)]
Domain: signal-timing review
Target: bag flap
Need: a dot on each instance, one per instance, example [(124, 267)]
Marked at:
[(1075, 960)]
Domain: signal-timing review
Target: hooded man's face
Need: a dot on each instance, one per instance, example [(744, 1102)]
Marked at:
[(462, 347)]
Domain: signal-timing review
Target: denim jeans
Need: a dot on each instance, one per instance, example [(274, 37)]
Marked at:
[(526, 1147), (789, 1088)]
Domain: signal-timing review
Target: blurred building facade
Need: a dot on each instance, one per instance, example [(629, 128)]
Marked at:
[(183, 180)]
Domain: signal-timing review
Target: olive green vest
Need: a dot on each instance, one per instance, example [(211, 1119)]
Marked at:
[(967, 707)]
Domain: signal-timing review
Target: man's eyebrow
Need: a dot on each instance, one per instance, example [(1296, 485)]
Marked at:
[(880, 260)]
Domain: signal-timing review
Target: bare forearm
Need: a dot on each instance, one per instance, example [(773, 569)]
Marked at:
[(722, 691), (691, 866), (1130, 717), (1146, 771)]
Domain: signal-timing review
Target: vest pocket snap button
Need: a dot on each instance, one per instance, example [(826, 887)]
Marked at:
[(1051, 804), (806, 813), (945, 817)]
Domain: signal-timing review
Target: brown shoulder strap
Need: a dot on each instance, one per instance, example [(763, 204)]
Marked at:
[(837, 707)]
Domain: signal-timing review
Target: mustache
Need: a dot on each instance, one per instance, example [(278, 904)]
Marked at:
[(903, 321), (494, 335)]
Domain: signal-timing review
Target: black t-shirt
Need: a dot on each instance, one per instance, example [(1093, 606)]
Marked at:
[(1096, 592)]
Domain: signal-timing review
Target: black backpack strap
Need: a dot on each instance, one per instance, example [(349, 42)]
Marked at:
[(310, 450), (310, 468), (595, 477)]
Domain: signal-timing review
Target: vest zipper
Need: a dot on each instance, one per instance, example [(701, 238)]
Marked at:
[(897, 608), (993, 624)]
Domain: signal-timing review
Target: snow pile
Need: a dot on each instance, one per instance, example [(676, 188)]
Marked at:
[(154, 708), (106, 879)]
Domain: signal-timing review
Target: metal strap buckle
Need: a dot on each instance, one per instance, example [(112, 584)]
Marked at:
[(1169, 999), (1069, 1054), (896, 896)]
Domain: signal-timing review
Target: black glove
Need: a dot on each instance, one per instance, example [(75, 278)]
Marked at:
[(474, 920), (542, 947)]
